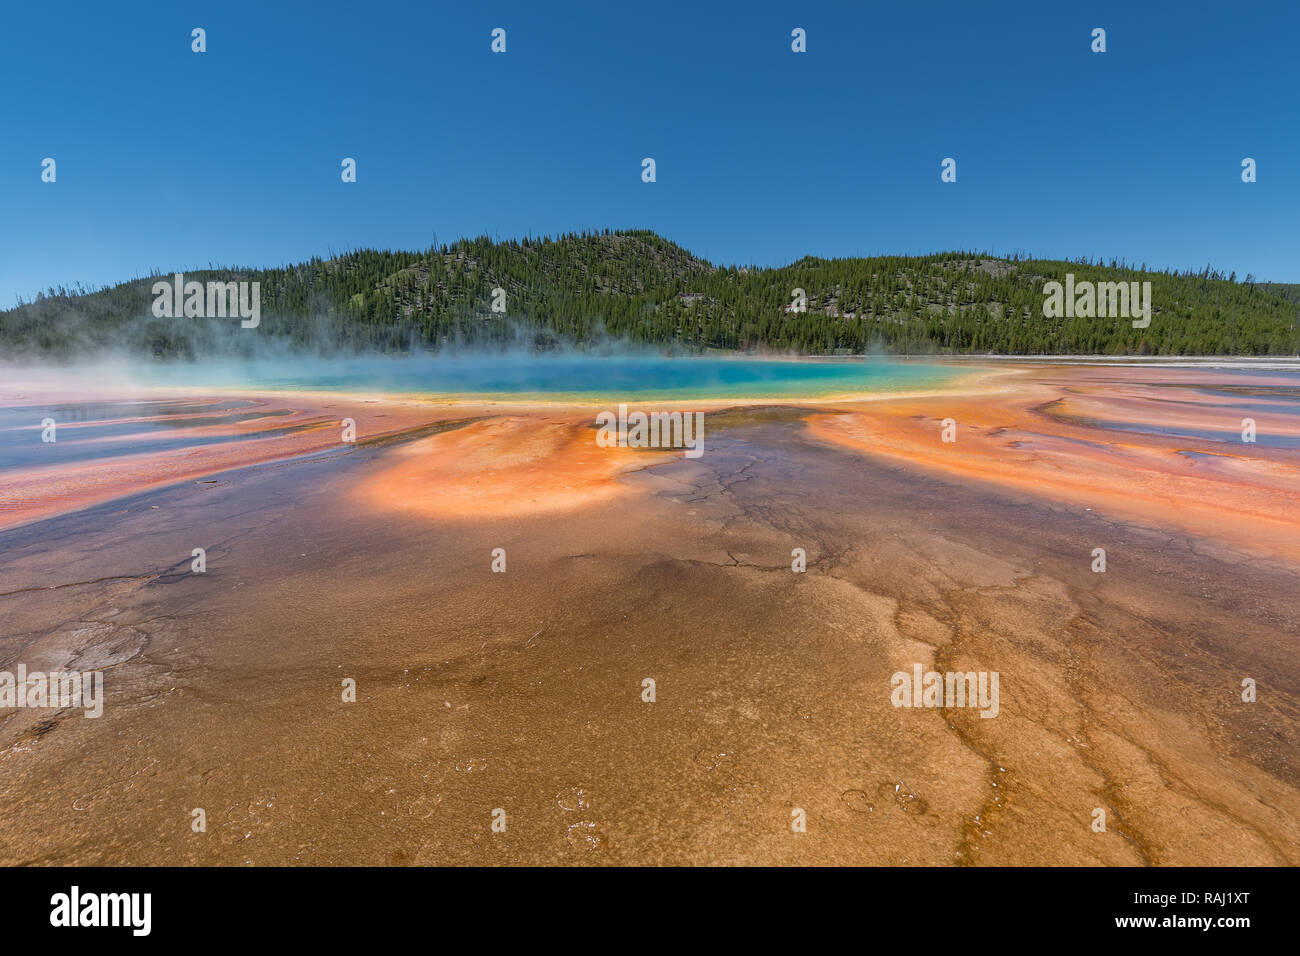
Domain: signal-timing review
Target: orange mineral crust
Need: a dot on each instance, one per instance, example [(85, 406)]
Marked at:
[(1169, 455), (504, 465), (353, 679)]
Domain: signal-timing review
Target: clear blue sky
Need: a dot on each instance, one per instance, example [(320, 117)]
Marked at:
[(170, 159)]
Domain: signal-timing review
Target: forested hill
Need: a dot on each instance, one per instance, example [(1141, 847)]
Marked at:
[(640, 288)]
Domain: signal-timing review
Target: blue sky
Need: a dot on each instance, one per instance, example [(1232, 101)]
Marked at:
[(169, 159)]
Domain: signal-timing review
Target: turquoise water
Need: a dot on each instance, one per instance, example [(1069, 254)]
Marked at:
[(572, 378)]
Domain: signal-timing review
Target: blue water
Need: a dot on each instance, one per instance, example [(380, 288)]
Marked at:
[(571, 378)]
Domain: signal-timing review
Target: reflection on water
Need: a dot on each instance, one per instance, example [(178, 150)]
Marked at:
[(92, 430), (1263, 438), (1228, 403)]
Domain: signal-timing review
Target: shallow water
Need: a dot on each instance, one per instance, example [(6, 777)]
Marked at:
[(89, 430)]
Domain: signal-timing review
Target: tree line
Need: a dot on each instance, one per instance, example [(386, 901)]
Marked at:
[(636, 286)]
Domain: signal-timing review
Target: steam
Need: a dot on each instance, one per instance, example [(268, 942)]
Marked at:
[(81, 343)]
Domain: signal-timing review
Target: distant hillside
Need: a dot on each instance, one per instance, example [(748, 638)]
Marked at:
[(1287, 290), (638, 287)]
